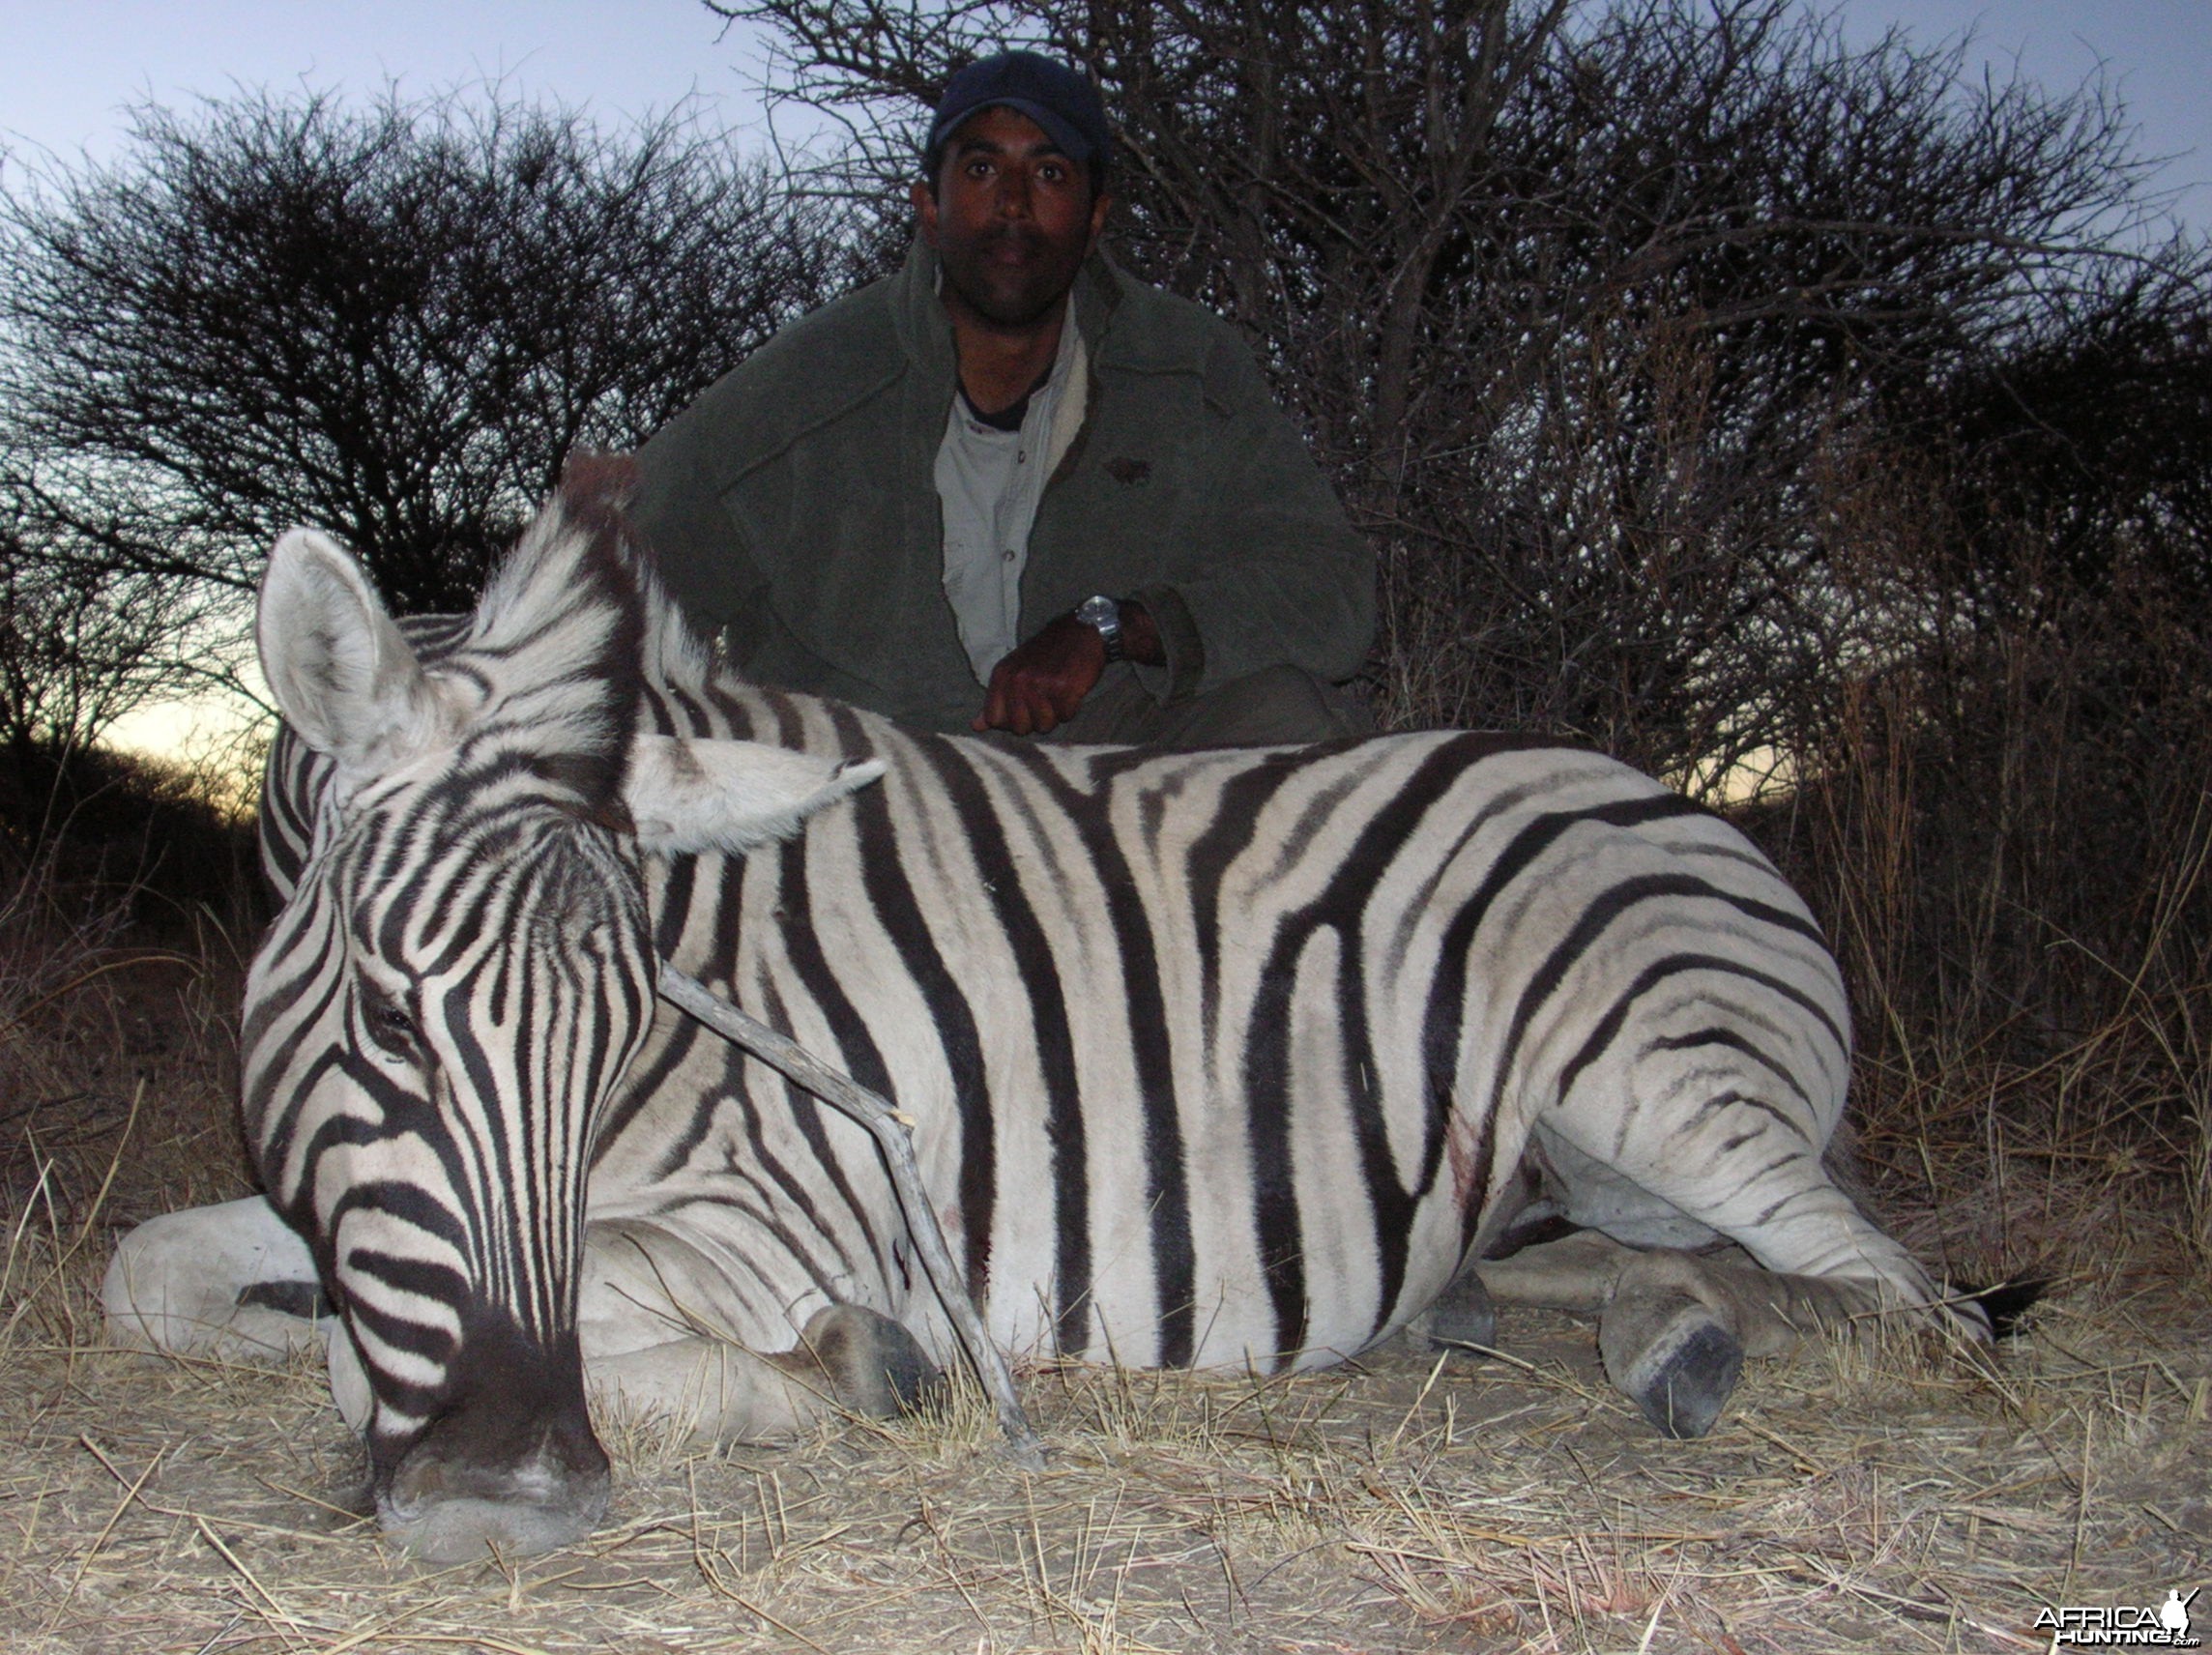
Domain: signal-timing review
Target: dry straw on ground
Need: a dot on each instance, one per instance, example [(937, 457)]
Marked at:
[(1890, 1497)]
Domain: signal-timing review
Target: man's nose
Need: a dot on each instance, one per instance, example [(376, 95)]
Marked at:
[(1013, 192)]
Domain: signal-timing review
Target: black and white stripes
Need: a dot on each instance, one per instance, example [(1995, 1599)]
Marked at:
[(1217, 1057)]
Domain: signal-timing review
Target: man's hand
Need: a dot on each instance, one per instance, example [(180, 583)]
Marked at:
[(1039, 686)]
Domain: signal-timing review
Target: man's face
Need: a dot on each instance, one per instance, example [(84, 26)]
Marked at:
[(1011, 218)]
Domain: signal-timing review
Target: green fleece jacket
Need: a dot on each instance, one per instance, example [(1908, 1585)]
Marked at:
[(794, 509)]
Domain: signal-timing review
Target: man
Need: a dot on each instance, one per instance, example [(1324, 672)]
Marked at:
[(1010, 489)]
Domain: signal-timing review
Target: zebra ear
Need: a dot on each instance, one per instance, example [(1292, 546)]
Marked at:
[(730, 796), (342, 676)]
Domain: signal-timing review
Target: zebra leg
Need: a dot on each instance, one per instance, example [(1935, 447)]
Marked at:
[(230, 1282), (1463, 1319), (849, 1360), (1713, 1142), (1674, 1327), (1672, 1338), (651, 1317), (1797, 1223), (1674, 1319), (1575, 1274), (1671, 1348)]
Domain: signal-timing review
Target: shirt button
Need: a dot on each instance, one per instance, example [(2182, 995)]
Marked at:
[(1021, 456), (1008, 553)]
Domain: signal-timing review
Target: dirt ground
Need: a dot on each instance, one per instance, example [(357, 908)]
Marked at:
[(1899, 1498)]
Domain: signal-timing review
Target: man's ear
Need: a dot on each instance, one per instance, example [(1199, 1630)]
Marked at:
[(1097, 222), (925, 199)]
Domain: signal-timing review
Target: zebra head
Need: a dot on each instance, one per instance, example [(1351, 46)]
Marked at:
[(436, 1020)]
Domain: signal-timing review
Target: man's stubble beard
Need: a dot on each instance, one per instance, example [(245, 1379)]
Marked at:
[(1035, 293)]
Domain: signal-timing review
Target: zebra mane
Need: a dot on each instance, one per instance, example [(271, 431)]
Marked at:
[(672, 651)]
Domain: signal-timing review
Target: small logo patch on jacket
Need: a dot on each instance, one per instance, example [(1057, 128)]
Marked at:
[(1126, 470)]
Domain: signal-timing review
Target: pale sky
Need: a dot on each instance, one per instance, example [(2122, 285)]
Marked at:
[(70, 65), (2157, 54), (70, 68)]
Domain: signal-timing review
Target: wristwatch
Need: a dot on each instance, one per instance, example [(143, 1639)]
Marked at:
[(1103, 615)]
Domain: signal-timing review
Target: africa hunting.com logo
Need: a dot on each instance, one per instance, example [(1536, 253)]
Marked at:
[(2153, 1626)]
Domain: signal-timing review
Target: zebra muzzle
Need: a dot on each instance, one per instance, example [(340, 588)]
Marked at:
[(511, 1463), (445, 1511)]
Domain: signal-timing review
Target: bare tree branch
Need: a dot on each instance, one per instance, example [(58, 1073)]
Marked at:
[(391, 323)]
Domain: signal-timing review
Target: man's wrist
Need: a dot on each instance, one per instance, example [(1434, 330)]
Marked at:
[(1135, 636), (1141, 635), (1103, 616)]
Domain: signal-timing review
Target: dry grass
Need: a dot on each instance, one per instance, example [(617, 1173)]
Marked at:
[(1891, 1498)]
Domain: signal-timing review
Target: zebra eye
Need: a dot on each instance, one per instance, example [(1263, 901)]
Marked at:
[(390, 1024)]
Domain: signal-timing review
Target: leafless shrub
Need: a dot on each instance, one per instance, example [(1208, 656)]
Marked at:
[(392, 322)]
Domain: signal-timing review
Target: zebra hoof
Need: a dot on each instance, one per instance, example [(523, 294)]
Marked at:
[(873, 1364), (1674, 1357), (1464, 1320)]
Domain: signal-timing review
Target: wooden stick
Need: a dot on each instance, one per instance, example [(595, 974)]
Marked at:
[(889, 1130)]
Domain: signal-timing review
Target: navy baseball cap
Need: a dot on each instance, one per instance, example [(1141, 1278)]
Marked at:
[(1057, 97)]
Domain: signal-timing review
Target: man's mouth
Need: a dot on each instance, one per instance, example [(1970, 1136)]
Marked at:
[(1012, 248)]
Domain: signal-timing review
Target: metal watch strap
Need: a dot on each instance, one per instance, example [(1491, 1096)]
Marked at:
[(1103, 615)]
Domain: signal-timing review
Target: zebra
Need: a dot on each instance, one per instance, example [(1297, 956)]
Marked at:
[(1215, 1058)]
